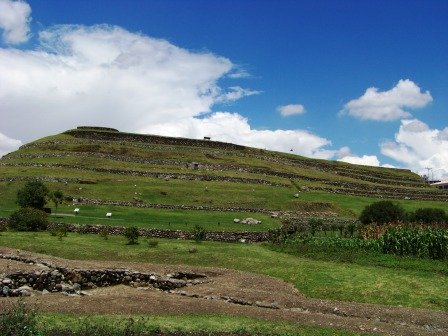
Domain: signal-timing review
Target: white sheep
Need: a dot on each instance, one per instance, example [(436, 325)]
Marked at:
[(76, 211), (109, 214)]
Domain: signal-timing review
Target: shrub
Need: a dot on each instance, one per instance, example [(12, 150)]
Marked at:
[(132, 234), (382, 212), (18, 320), (28, 219), (32, 195), (315, 225), (152, 243), (199, 233), (429, 216), (104, 232)]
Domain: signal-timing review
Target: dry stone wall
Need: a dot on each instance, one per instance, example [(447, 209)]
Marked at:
[(153, 139), (53, 278), (248, 237), (162, 175)]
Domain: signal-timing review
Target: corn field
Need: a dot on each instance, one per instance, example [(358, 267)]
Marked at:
[(422, 243)]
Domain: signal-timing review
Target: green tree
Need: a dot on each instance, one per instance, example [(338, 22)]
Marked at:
[(132, 234), (32, 195), (57, 197), (28, 219), (382, 212)]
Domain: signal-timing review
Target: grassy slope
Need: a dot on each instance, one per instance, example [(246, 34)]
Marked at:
[(84, 153), (193, 323), (421, 283)]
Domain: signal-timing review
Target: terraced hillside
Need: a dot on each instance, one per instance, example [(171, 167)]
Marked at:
[(190, 180)]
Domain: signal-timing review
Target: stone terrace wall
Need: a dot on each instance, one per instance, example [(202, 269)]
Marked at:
[(54, 278), (163, 175), (97, 128), (153, 139)]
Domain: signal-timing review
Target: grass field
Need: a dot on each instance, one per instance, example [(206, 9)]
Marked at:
[(191, 323), (422, 285)]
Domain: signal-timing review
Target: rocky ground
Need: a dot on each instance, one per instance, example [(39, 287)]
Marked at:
[(196, 291)]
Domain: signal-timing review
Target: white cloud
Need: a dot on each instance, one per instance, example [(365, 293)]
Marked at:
[(14, 21), (366, 160), (239, 73), (8, 145), (104, 75), (107, 76), (388, 105), (291, 109), (234, 128), (417, 146), (235, 93)]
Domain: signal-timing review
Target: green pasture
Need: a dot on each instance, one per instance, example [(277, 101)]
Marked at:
[(208, 324), (420, 286), (163, 218)]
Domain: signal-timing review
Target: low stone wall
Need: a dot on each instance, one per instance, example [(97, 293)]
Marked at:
[(136, 204), (97, 128), (248, 237), (180, 176), (73, 281), (153, 139)]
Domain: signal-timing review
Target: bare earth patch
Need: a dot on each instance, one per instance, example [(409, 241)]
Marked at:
[(224, 292)]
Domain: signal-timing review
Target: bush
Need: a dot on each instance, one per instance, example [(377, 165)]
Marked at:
[(32, 195), (132, 234), (315, 224), (429, 216), (18, 320), (152, 243), (199, 233), (28, 219), (382, 212)]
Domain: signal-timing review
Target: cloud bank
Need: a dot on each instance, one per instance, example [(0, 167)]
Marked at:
[(14, 21), (104, 75), (366, 160), (8, 145), (417, 146), (388, 105), (232, 127)]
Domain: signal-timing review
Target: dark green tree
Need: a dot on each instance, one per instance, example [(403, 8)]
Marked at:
[(382, 212), (32, 195)]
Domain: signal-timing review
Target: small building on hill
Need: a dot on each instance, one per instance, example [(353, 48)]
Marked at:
[(441, 185)]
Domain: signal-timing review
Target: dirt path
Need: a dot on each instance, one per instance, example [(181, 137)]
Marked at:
[(224, 292)]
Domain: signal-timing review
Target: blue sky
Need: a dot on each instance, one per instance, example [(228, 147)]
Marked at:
[(320, 57)]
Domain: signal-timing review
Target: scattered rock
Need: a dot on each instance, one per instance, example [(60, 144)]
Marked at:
[(250, 221)]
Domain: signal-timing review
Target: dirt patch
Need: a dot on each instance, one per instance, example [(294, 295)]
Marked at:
[(226, 292)]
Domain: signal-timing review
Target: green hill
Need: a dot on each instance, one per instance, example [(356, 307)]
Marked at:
[(149, 180)]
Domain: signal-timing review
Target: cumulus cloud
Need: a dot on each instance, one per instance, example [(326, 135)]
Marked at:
[(14, 21), (234, 128), (8, 145), (417, 146), (291, 109), (103, 75), (366, 160), (388, 105)]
